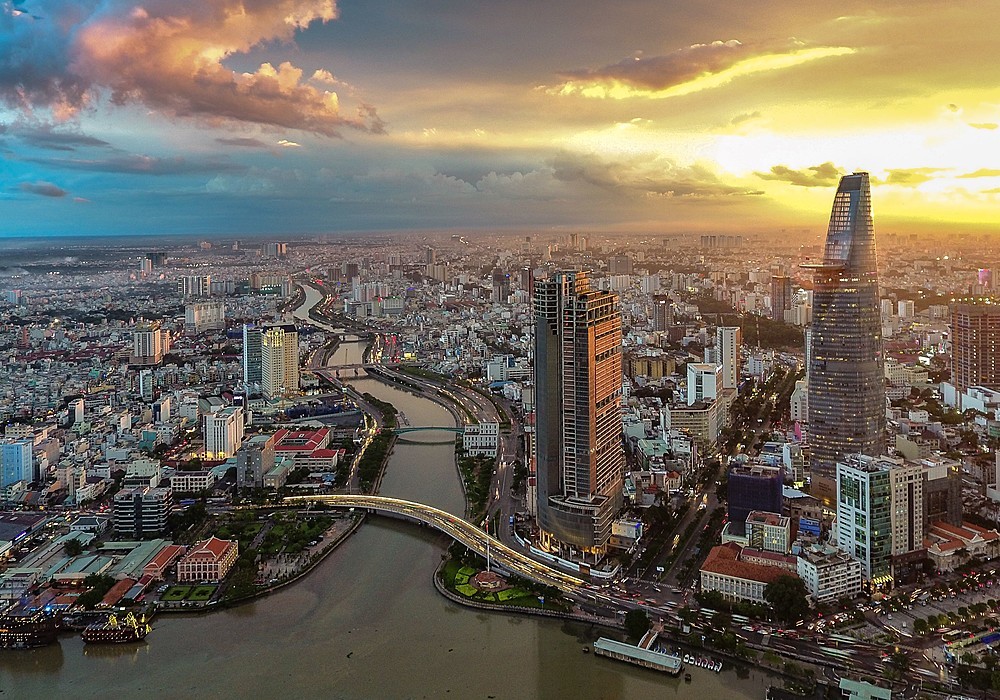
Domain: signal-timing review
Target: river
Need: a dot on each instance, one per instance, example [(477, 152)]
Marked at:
[(367, 623)]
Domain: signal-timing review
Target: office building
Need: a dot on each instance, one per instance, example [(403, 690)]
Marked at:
[(769, 532), (704, 381), (279, 356), (481, 439), (846, 386), (254, 460), (864, 516), (224, 432), (141, 512), (195, 286), (663, 313), (728, 340), (781, 296), (578, 378), (829, 574), (16, 463), (252, 363), (752, 487), (150, 343), (975, 346), (203, 316)]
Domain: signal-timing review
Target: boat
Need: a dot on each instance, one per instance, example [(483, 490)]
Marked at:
[(27, 631), (117, 630)]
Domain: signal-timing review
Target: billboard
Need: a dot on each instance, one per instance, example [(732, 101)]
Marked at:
[(809, 526)]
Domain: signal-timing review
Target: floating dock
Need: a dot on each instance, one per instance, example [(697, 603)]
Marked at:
[(637, 655)]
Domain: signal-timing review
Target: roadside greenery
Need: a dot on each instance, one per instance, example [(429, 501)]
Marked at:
[(371, 462)]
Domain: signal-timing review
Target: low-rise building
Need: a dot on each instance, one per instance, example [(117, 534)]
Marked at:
[(481, 439), (724, 571), (191, 482), (209, 560), (829, 574), (770, 532)]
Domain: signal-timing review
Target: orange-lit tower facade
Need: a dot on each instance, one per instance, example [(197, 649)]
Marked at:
[(578, 443)]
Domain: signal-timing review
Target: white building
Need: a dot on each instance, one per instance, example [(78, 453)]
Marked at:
[(481, 439), (202, 316), (704, 381), (829, 574), (769, 532), (191, 482), (224, 432), (279, 360)]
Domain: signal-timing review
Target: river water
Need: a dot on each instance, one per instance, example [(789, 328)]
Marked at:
[(367, 623)]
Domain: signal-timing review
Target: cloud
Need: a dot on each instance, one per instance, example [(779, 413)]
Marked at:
[(285, 143), (644, 176), (745, 117), (823, 175), (42, 188), (242, 142), (169, 55), (911, 177), (982, 172), (688, 70), (140, 165), (989, 126), (53, 139)]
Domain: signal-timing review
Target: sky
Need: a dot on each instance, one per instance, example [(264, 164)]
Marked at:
[(311, 116)]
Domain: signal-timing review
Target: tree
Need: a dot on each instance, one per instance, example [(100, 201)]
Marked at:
[(920, 626), (787, 596), (73, 548), (636, 623), (897, 665), (722, 621)]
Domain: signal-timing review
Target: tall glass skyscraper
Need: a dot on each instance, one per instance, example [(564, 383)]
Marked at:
[(846, 384), (578, 430)]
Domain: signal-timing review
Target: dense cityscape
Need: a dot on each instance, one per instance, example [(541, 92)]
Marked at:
[(559, 350), (725, 451)]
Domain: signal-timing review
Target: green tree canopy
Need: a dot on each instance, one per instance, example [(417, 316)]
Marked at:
[(636, 623), (787, 596)]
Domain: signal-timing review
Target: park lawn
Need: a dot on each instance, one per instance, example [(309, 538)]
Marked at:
[(511, 594), (467, 571), (176, 593), (467, 590), (201, 593)]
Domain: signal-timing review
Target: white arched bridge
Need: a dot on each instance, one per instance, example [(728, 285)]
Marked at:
[(456, 528)]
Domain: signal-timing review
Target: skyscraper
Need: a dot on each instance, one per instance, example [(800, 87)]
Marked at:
[(578, 379), (846, 385), (663, 312), (975, 346), (781, 296), (252, 368), (279, 360), (728, 340)]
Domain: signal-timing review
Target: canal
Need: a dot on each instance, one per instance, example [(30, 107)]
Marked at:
[(367, 623)]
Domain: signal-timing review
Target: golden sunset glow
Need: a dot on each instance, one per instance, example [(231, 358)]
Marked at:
[(719, 116)]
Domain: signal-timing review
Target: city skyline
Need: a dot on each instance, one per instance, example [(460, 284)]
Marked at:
[(303, 116)]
